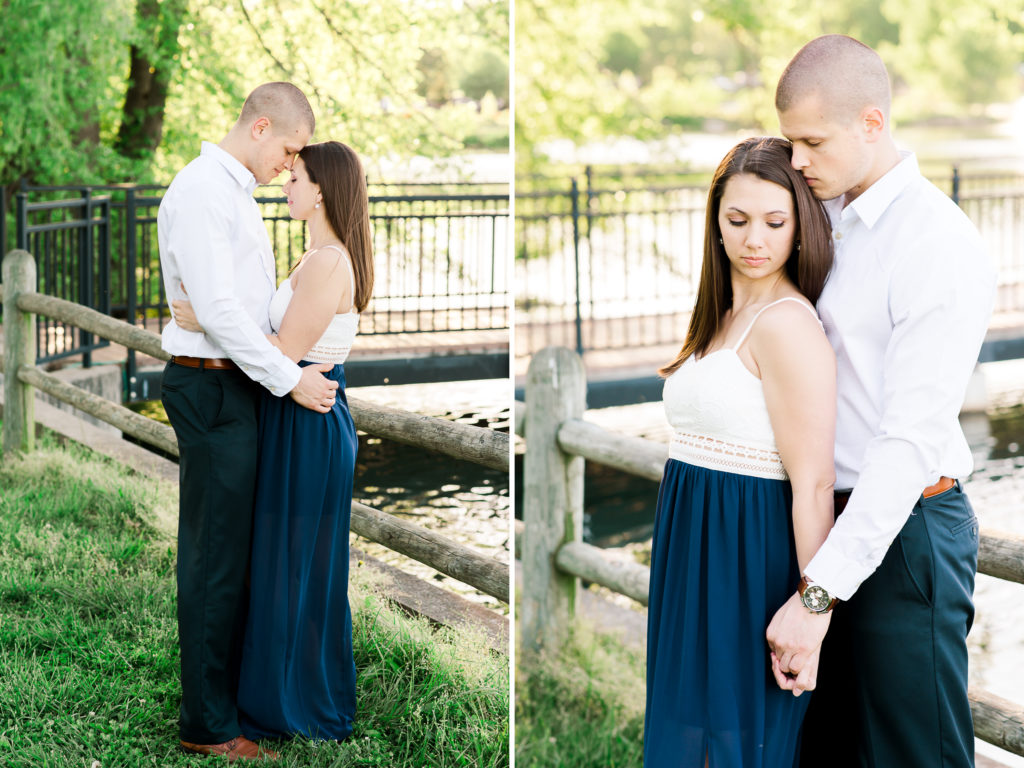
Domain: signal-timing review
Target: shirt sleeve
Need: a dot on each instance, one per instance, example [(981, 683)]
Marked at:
[(199, 241), (940, 302)]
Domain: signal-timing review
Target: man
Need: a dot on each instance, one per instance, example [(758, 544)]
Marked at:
[(906, 309), (213, 242)]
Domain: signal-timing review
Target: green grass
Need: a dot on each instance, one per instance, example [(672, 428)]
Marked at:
[(89, 654), (583, 708)]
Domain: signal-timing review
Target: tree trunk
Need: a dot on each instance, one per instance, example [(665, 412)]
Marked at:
[(152, 65)]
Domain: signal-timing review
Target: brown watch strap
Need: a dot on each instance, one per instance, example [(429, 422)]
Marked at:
[(802, 587)]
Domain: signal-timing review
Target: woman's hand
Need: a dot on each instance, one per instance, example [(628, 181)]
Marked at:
[(184, 316)]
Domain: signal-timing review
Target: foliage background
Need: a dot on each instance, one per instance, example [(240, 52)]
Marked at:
[(124, 90), (593, 70)]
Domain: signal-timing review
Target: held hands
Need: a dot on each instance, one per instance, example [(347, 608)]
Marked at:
[(806, 680), (794, 636), (314, 390)]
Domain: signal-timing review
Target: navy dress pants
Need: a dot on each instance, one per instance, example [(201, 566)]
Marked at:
[(213, 413), (892, 685)]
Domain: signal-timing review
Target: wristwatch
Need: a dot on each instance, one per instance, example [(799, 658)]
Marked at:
[(815, 598)]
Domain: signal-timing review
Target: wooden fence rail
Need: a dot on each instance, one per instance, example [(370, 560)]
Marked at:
[(462, 441), (21, 378), (549, 539)]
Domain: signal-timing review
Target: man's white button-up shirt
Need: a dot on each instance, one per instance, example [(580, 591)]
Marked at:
[(906, 308), (213, 240)]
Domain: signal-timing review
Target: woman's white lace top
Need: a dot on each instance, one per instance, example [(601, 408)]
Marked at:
[(718, 414), (336, 342)]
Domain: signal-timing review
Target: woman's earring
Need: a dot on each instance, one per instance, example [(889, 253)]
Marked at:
[(721, 241), (318, 205)]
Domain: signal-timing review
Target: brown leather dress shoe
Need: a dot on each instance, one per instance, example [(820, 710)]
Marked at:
[(239, 748)]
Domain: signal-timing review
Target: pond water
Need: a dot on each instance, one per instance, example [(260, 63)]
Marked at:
[(458, 499), (989, 140), (619, 515)]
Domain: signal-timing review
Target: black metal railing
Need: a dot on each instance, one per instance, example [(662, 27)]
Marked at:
[(72, 238), (441, 251), (610, 258)]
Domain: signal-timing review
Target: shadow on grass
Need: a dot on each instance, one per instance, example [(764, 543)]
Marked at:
[(88, 641)]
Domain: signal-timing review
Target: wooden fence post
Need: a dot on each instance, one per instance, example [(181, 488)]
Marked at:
[(19, 276), (556, 390)]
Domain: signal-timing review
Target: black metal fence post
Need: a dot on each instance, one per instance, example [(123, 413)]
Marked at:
[(103, 296), (21, 221), (956, 185), (3, 219), (131, 295), (591, 204), (575, 197), (85, 271)]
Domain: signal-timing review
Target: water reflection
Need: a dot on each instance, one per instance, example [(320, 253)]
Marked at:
[(459, 499)]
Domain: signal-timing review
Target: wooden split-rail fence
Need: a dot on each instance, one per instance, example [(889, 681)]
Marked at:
[(22, 303), (554, 557)]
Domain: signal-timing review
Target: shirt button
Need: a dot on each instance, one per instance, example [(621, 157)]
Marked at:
[(837, 235)]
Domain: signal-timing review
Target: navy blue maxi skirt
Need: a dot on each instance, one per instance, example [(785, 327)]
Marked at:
[(723, 561), (298, 676)]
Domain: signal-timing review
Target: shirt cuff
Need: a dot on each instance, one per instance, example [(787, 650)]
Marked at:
[(834, 572), (281, 379)]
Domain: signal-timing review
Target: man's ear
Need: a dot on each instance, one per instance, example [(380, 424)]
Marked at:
[(872, 122), (260, 128)]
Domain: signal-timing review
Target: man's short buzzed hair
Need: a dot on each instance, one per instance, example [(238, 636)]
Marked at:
[(284, 104), (846, 74)]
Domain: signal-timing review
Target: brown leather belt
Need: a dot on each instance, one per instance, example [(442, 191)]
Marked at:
[(213, 363), (944, 484)]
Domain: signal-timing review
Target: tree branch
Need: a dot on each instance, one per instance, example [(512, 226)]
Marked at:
[(259, 37), (373, 64)]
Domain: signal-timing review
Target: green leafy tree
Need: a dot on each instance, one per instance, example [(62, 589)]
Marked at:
[(435, 77), (58, 111), (153, 61), (488, 74), (616, 67), (622, 52), (125, 90)]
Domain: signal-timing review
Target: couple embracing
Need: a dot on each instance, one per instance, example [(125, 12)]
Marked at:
[(811, 531), (255, 391)]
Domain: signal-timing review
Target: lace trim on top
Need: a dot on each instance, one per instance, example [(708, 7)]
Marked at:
[(711, 453), (325, 353)]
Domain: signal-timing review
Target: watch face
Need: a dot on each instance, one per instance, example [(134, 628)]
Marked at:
[(816, 599)]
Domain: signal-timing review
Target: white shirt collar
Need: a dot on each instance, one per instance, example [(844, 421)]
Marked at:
[(238, 172), (873, 202)]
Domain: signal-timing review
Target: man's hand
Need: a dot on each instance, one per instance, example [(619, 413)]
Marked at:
[(184, 317), (807, 680), (315, 391), (794, 636)]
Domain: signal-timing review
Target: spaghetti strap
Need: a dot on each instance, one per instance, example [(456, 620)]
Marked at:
[(351, 273), (802, 303)]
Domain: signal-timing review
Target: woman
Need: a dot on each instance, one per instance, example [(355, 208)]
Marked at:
[(746, 497), (298, 676)]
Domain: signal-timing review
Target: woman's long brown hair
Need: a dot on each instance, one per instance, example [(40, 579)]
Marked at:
[(808, 266), (336, 168)]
